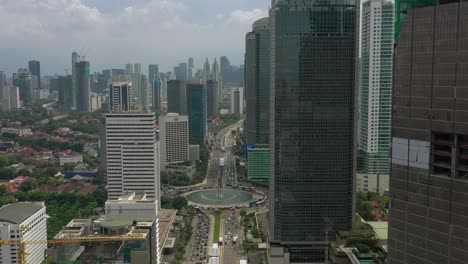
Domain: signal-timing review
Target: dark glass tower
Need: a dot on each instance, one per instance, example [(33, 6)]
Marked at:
[(312, 135), (429, 165), (153, 72), (35, 70), (197, 111), (257, 82), (82, 86), (212, 98), (176, 97), (65, 92)]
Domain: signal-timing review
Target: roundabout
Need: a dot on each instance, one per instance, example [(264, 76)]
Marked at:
[(219, 198)]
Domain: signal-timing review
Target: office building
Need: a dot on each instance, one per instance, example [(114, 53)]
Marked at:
[(182, 72), (174, 138), (197, 111), (23, 222), (4, 92), (156, 93), (137, 68), (117, 72), (429, 164), (312, 135), (129, 68), (140, 90), (257, 82), (120, 96), (133, 205), (95, 102), (206, 71), (176, 97), (24, 83), (82, 86), (75, 60), (153, 72), (14, 95), (375, 91), (35, 70), (237, 100), (190, 68), (212, 98), (132, 154), (65, 92), (259, 163)]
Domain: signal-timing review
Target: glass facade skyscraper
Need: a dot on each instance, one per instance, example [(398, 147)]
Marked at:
[(197, 111), (257, 82), (312, 126)]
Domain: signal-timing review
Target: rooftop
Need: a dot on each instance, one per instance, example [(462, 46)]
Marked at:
[(16, 213), (380, 229)]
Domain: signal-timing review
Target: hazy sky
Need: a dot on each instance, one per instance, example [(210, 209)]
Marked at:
[(111, 33)]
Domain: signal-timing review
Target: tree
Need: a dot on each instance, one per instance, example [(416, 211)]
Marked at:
[(179, 202), (6, 173), (69, 166), (3, 190), (28, 185), (4, 161), (23, 172)]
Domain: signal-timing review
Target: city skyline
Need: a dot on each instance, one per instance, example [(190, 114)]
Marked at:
[(95, 36)]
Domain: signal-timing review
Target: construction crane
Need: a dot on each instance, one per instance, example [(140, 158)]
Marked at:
[(92, 239)]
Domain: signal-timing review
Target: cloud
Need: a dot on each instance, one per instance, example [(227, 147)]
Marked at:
[(152, 31), (247, 16)]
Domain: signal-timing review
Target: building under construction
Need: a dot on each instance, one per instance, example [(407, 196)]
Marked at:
[(115, 240)]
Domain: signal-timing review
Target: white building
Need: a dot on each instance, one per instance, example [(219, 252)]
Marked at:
[(237, 100), (375, 91), (131, 154), (132, 205), (174, 138), (17, 131), (120, 96), (95, 102), (23, 222), (14, 97), (72, 158)]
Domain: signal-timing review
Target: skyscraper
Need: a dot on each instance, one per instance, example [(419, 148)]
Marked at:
[(176, 97), (257, 85), (183, 71), (237, 100), (429, 164), (376, 93), (156, 93), (212, 98), (140, 90), (153, 72), (82, 86), (129, 68), (65, 92), (190, 68), (215, 71), (137, 68), (75, 58), (35, 70), (197, 111), (120, 96), (132, 154), (24, 83), (174, 138), (206, 71), (312, 135), (3, 88)]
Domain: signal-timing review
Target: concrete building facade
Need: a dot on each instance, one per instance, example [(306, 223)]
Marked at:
[(22, 222), (132, 154), (83, 89), (120, 96), (176, 97), (174, 138), (237, 100), (429, 162)]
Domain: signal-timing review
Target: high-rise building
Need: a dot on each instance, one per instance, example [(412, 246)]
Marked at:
[(206, 71), (24, 83), (429, 164), (137, 68), (120, 96), (174, 138), (82, 86), (35, 70), (215, 73), (257, 83), (225, 67), (3, 89), (259, 163), (129, 69), (156, 93), (197, 111), (153, 72), (14, 94), (183, 71), (312, 121), (118, 72), (75, 59), (190, 69), (140, 90), (176, 97), (65, 92), (237, 100), (23, 222), (132, 154), (212, 98), (376, 90)]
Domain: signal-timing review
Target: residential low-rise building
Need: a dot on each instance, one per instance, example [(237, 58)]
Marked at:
[(69, 158), (21, 132), (22, 222)]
